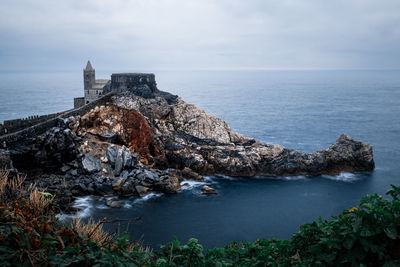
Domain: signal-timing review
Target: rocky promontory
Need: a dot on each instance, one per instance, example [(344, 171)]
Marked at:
[(132, 145)]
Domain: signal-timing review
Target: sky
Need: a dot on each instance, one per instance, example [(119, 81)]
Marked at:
[(125, 35)]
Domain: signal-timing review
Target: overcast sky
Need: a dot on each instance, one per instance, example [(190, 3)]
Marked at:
[(125, 35)]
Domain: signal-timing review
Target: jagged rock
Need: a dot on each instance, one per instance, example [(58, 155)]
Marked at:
[(81, 187), (148, 176), (114, 203), (104, 189), (188, 174), (65, 168), (108, 137), (117, 185), (86, 180), (121, 158), (208, 145), (91, 188), (141, 190), (118, 164), (169, 184), (112, 152), (128, 188), (47, 152), (91, 164), (73, 172), (99, 178), (74, 164), (208, 190)]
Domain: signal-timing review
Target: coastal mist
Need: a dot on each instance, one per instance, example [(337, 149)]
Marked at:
[(302, 110)]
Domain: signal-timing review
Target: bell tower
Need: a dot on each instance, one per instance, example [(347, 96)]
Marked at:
[(88, 76)]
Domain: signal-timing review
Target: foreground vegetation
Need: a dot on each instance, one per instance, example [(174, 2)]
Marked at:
[(30, 235)]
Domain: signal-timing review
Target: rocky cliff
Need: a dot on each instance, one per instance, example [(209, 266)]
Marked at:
[(135, 144), (189, 137)]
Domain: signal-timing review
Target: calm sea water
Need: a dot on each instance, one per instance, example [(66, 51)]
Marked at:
[(305, 110)]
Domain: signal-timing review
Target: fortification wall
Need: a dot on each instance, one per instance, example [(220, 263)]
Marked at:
[(26, 135), (105, 100), (79, 102), (126, 81), (19, 124)]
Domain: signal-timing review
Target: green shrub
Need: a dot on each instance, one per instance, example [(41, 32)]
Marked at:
[(367, 235)]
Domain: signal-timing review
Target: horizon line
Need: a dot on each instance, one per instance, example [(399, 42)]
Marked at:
[(205, 69)]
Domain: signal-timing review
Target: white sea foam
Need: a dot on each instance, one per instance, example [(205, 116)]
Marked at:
[(343, 177), (295, 178), (127, 205), (147, 197), (189, 184), (209, 178), (102, 207), (223, 176), (85, 206)]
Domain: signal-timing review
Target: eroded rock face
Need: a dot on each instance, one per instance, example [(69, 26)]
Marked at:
[(345, 154), (206, 144), (47, 152), (181, 120), (129, 127)]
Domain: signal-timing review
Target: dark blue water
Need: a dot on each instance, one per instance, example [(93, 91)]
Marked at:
[(305, 110)]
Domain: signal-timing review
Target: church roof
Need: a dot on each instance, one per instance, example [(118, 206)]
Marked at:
[(131, 74), (99, 84), (101, 81), (89, 66)]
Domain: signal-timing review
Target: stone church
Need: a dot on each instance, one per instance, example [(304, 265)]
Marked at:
[(93, 89), (143, 84)]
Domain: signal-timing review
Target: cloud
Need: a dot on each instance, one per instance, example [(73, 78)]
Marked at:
[(208, 34)]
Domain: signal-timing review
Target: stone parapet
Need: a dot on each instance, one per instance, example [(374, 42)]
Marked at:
[(121, 82), (79, 102), (24, 135), (19, 124)]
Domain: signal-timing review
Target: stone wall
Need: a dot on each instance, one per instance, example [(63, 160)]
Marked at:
[(121, 82), (19, 124), (79, 102), (25, 135), (1, 129), (105, 100)]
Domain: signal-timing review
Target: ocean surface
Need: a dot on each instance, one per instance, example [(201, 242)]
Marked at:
[(304, 110)]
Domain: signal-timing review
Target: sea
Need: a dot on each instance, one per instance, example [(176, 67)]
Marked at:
[(303, 110)]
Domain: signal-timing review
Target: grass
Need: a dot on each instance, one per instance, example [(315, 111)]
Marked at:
[(12, 188), (40, 201), (90, 230)]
